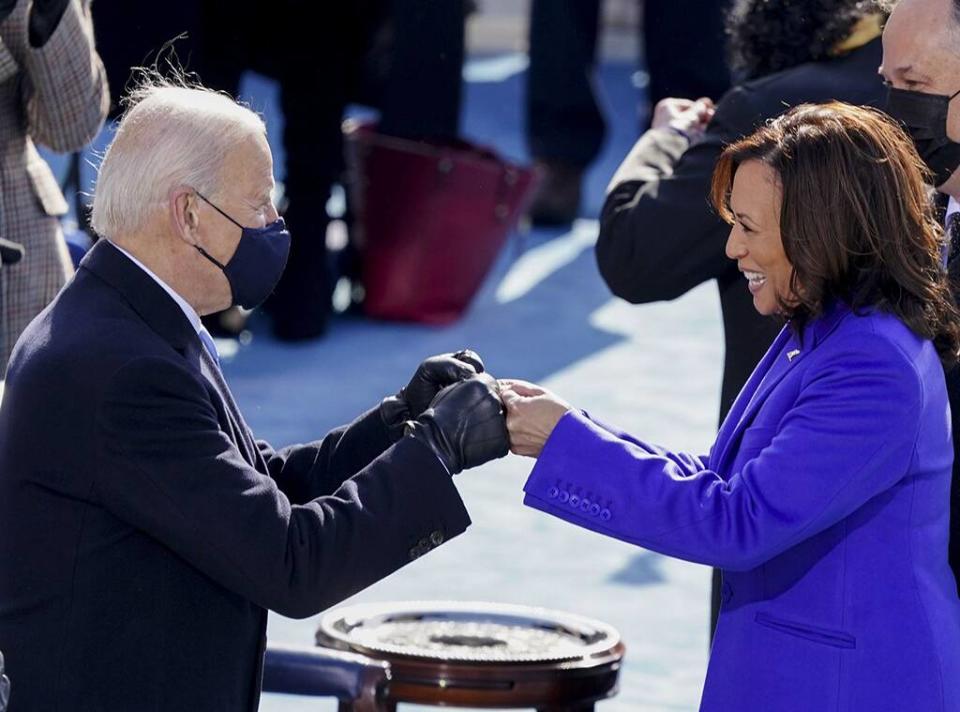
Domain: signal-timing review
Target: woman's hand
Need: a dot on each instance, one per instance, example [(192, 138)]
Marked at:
[(687, 117), (532, 414)]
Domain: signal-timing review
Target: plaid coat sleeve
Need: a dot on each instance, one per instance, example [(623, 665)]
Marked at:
[(67, 97)]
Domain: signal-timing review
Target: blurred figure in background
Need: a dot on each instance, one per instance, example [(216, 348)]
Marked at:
[(53, 91), (401, 56), (659, 236), (683, 45), (147, 28)]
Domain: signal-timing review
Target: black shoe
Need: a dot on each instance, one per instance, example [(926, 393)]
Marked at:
[(557, 200)]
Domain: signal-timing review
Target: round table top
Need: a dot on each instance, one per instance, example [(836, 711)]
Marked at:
[(473, 633)]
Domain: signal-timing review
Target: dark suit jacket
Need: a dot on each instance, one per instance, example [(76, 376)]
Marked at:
[(144, 532), (659, 236)]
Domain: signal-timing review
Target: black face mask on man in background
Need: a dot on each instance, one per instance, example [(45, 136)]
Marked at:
[(924, 117)]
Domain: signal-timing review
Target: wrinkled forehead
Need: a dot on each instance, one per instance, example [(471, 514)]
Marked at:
[(250, 162)]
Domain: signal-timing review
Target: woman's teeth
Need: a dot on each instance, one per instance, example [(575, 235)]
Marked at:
[(755, 281)]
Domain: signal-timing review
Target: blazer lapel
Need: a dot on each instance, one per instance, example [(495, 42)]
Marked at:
[(729, 426), (165, 317), (785, 354)]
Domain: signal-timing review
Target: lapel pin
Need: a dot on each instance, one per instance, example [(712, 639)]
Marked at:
[(792, 354)]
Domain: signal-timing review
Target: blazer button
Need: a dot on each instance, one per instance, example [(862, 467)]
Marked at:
[(605, 515), (594, 510), (553, 492), (436, 538), (416, 552), (574, 500), (563, 496), (585, 505)]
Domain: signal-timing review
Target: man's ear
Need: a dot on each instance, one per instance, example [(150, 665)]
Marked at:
[(184, 210)]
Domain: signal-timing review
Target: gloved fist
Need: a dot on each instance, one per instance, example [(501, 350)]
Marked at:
[(465, 425), (432, 376)]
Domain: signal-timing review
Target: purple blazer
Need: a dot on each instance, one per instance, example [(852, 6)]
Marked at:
[(825, 500)]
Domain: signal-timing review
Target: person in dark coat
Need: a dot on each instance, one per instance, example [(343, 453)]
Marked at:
[(682, 44), (659, 236), (144, 531), (53, 92), (921, 64)]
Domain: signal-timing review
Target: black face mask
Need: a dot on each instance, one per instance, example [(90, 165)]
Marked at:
[(924, 116)]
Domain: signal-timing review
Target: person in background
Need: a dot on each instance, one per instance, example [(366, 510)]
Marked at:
[(659, 236), (921, 67), (403, 56), (53, 91), (825, 498), (683, 47), (144, 530)]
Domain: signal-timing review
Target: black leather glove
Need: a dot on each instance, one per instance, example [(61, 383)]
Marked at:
[(433, 375), (10, 252), (465, 425), (45, 16)]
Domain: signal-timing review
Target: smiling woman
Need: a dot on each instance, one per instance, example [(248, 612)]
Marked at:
[(755, 242), (825, 498), (828, 203)]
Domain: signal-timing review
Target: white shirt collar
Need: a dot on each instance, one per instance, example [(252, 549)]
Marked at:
[(188, 310)]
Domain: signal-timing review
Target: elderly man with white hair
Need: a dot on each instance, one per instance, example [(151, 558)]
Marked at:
[(144, 532), (921, 67)]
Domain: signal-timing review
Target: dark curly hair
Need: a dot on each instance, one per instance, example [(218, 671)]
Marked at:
[(855, 219), (767, 36)]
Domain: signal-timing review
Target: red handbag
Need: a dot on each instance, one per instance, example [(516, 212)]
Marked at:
[(429, 220)]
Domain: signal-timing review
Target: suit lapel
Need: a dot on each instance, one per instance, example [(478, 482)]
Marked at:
[(240, 433), (746, 396), (785, 354), (165, 317)]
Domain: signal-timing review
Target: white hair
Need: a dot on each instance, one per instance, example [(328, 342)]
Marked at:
[(171, 135)]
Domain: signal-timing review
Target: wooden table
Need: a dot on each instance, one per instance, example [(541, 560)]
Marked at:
[(481, 654)]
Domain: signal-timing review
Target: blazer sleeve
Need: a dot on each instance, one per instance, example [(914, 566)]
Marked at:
[(688, 464), (839, 446), (305, 472), (67, 96), (659, 235), (165, 468)]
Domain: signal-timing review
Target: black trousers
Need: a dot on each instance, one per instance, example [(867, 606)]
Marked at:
[(684, 47), (685, 57), (403, 56)]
